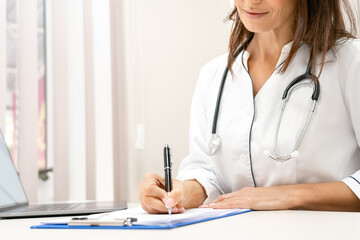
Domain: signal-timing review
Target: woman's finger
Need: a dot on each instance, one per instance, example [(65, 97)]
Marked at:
[(153, 205), (176, 196), (154, 191), (221, 198), (180, 208)]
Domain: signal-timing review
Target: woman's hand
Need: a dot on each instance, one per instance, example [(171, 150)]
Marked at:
[(333, 196), (270, 198), (154, 199)]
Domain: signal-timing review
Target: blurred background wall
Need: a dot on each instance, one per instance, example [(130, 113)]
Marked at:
[(91, 90), (165, 45)]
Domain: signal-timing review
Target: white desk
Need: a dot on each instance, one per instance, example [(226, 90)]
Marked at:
[(254, 225)]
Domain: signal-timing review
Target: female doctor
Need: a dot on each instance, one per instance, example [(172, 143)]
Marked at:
[(260, 151)]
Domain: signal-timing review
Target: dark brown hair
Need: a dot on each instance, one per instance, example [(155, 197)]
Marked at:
[(319, 23)]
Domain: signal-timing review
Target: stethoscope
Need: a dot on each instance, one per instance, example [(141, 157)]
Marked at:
[(215, 140)]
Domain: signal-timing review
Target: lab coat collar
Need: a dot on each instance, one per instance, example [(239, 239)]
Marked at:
[(242, 59)]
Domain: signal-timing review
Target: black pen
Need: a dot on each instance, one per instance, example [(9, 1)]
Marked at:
[(167, 169)]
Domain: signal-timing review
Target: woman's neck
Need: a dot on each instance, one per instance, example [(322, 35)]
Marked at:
[(268, 45)]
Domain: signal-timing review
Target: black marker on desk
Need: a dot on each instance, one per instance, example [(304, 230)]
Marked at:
[(167, 169)]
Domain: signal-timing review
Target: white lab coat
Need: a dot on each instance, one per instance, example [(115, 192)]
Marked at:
[(329, 150)]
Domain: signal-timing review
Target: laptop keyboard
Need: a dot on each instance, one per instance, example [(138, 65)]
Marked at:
[(53, 207)]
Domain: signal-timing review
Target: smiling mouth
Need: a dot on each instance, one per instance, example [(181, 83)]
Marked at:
[(254, 14)]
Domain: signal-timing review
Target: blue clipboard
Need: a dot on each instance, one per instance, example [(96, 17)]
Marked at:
[(161, 226)]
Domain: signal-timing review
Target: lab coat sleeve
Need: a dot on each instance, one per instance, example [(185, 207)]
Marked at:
[(199, 164), (352, 98)]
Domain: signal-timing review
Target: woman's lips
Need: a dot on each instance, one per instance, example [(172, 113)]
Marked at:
[(254, 14)]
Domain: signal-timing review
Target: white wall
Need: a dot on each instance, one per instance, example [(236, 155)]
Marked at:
[(165, 44), (161, 48)]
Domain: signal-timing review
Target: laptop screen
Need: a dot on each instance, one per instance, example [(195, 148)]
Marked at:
[(11, 190)]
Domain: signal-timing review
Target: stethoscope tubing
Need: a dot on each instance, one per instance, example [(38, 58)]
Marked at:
[(218, 100), (216, 140)]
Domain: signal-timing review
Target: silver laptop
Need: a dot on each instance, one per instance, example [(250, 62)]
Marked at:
[(14, 203)]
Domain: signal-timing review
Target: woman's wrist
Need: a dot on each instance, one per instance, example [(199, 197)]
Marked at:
[(195, 194), (295, 197), (274, 198)]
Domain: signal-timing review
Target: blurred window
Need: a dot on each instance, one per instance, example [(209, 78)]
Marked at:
[(11, 131)]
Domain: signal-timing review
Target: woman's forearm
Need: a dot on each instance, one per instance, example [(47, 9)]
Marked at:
[(334, 196)]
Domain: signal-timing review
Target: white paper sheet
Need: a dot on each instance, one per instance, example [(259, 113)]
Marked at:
[(144, 218)]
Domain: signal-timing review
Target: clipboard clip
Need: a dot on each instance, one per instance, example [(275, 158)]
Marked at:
[(102, 220)]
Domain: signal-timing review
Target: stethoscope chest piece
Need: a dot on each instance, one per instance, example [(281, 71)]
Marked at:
[(214, 143)]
